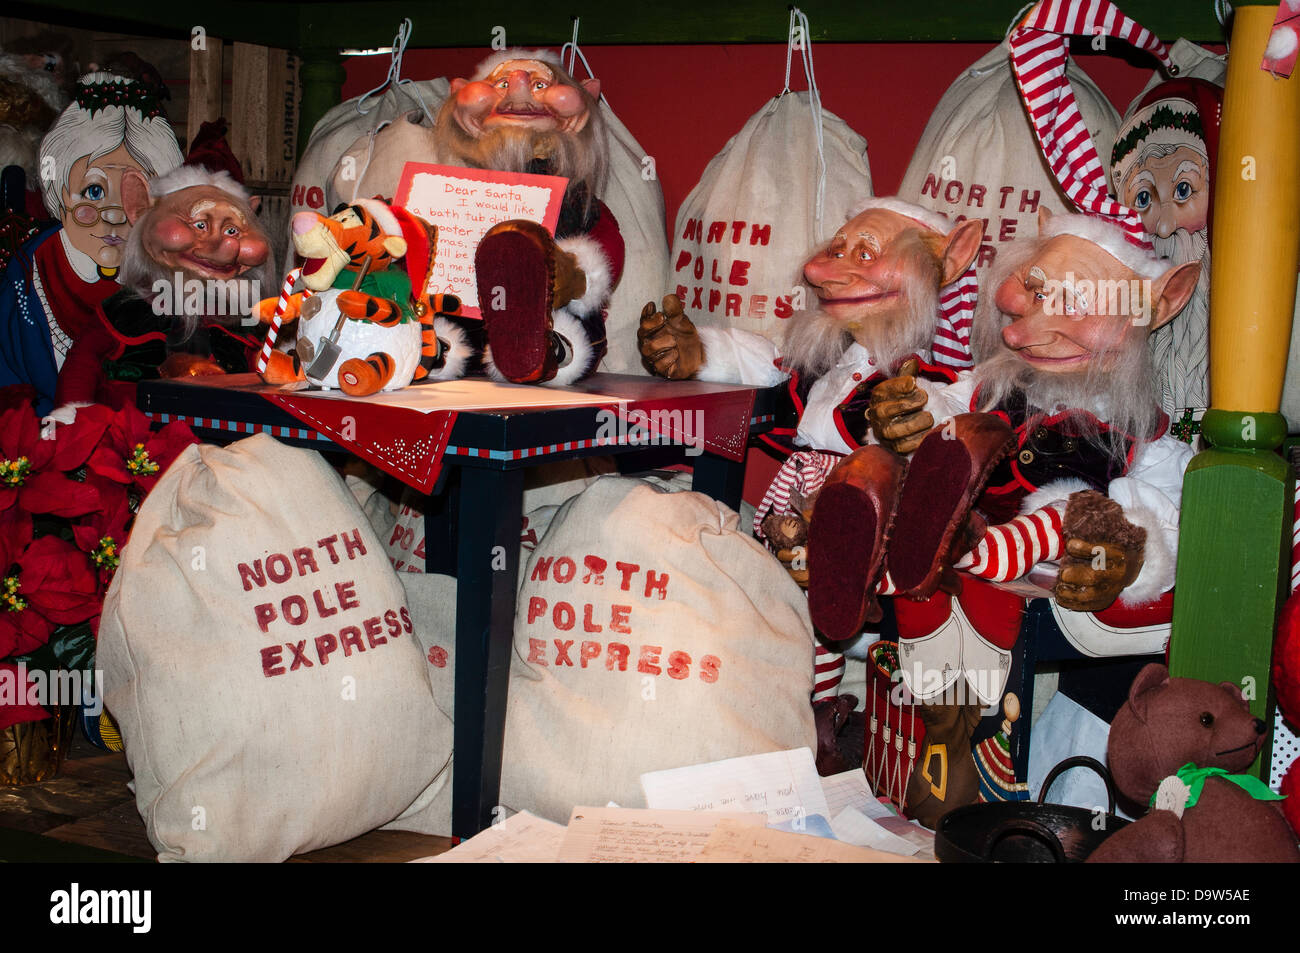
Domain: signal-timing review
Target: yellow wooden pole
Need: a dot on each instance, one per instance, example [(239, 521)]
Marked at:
[(1256, 215)]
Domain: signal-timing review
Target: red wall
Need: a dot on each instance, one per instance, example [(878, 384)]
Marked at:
[(684, 102)]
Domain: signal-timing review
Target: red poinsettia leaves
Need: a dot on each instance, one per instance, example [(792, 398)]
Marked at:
[(17, 395), (23, 631), (59, 581), (20, 436), (15, 534), (14, 709), (74, 442), (52, 492)]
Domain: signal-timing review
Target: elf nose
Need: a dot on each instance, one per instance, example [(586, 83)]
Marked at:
[(1166, 219), (517, 82)]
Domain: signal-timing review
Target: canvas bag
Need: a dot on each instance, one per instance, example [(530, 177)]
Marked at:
[(706, 654), (978, 157), (761, 208), (241, 749)]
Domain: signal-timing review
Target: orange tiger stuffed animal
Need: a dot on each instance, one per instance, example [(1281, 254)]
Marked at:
[(382, 349)]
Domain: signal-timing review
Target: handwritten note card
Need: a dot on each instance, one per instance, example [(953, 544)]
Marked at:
[(732, 844), (464, 204), (620, 835), (782, 784), (520, 839)]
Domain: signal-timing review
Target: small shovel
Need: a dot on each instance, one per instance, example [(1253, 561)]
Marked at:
[(327, 349)]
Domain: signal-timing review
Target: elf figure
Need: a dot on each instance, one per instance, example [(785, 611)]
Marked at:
[(54, 284)]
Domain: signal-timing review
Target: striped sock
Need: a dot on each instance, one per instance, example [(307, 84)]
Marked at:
[(1010, 550)]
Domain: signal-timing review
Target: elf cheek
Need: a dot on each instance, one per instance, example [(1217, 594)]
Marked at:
[(173, 235), (564, 101), (473, 102)]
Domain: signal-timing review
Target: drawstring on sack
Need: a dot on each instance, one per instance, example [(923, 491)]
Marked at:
[(799, 22)]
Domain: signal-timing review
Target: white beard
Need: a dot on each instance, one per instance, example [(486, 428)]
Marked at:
[(1181, 349)]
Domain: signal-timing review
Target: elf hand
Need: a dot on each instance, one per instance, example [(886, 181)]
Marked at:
[(796, 564), (897, 415), (670, 345), (1103, 553)]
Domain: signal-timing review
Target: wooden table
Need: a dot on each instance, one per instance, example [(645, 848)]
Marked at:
[(476, 507)]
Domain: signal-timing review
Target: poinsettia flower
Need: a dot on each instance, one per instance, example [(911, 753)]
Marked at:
[(51, 583), (14, 694), (33, 471), (101, 534), (133, 454)]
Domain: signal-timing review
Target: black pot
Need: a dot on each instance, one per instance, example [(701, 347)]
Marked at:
[(1018, 832)]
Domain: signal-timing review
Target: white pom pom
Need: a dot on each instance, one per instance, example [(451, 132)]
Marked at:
[(1281, 44)]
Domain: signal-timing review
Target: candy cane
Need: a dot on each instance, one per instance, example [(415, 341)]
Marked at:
[(277, 318)]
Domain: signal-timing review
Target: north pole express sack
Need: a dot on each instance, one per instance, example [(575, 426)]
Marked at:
[(259, 656), (650, 633), (978, 157)]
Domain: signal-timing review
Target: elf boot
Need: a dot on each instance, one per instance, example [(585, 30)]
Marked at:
[(520, 271)]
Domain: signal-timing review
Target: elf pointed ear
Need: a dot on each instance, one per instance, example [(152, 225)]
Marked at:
[(1172, 291), (135, 195), (1151, 677), (255, 203), (457, 85), (1044, 216), (960, 250), (591, 85)]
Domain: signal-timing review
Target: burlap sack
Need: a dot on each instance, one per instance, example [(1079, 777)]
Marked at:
[(978, 157), (259, 655), (650, 633), (747, 227)]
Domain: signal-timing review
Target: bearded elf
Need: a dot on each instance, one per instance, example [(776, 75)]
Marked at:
[(196, 264), (55, 283), (1162, 167)]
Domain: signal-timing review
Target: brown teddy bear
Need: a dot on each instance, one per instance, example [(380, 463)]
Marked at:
[(1161, 743)]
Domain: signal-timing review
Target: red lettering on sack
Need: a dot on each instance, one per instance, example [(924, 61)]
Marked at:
[(616, 653), (562, 653), (350, 637), (541, 568), (565, 570), (694, 229), (438, 656), (328, 544), (354, 546), (562, 616), (715, 296), (627, 569), (595, 574), (324, 610), (654, 582), (589, 624), (986, 256), (649, 656), (1008, 230), (698, 270), (304, 560), (248, 575), (680, 292), (1029, 203), (294, 609), (325, 644), (737, 229), (679, 665), (1006, 191), (709, 666), (757, 306), (406, 621), (732, 308), (717, 278), (588, 651), (271, 661), (398, 532), (537, 651), (275, 560), (931, 186), (948, 194), (265, 614), (716, 231), (315, 197), (683, 260), (373, 627), (394, 627), (760, 234), (695, 300), (782, 308), (300, 659), (618, 619), (347, 593), (536, 606), (975, 196), (739, 273)]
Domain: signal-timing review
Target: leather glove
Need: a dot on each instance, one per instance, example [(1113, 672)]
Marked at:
[(670, 345), (1103, 553), (897, 415)]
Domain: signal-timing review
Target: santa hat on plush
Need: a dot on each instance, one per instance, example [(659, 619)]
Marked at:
[(1039, 51), (951, 344), (395, 220), (1180, 112)]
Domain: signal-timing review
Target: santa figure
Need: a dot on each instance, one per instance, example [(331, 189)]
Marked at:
[(1162, 167), (55, 283)]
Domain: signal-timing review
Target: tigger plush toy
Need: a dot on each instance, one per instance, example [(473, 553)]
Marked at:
[(389, 332)]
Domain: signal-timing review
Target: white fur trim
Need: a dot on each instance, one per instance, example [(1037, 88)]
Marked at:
[(189, 176), (584, 353), (383, 215), (485, 68), (595, 266), (1058, 491), (1110, 238), (1158, 562), (459, 352), (935, 221)]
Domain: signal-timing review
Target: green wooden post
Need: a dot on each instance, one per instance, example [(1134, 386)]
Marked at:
[(322, 89)]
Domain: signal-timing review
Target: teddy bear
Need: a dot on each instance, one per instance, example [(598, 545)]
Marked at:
[(1181, 744)]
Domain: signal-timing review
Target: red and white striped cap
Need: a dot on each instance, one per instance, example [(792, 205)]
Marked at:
[(951, 344), (1039, 49)]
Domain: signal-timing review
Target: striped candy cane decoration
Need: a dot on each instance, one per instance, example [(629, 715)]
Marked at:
[(951, 345), (277, 318), (1010, 550), (1039, 50), (828, 672)]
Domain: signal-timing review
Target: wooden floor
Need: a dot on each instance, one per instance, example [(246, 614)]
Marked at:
[(88, 809)]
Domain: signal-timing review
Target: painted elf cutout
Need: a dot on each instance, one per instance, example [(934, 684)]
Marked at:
[(1162, 167), (55, 282), (363, 324), (193, 269)]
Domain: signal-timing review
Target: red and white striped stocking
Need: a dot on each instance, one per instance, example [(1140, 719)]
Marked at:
[(1009, 550)]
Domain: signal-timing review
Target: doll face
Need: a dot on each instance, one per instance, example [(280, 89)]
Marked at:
[(521, 94), (93, 216), (859, 273), (1170, 192), (203, 232)]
